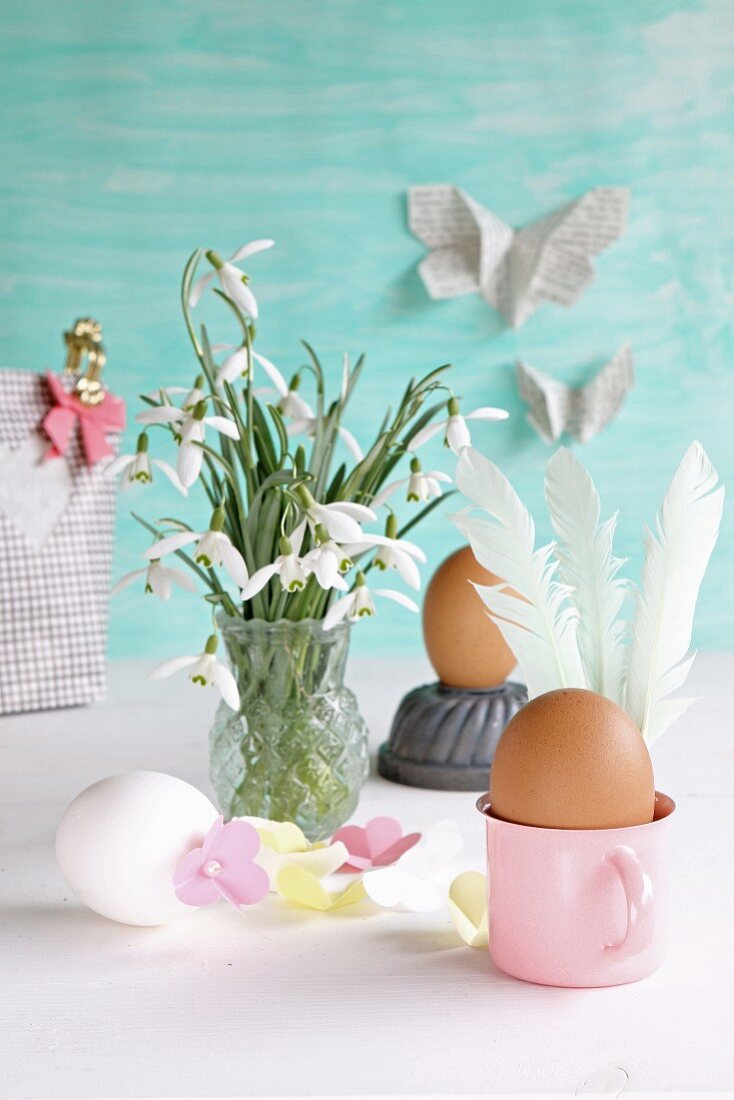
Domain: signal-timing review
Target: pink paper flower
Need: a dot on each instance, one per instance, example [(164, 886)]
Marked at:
[(378, 844), (223, 867)]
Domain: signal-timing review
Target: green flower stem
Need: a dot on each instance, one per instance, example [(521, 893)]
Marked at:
[(250, 396), (229, 451), (188, 278)]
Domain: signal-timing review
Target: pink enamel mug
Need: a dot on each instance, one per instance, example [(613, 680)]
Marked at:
[(578, 907)]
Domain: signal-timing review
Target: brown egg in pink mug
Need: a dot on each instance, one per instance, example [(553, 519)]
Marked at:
[(576, 845), (578, 907)]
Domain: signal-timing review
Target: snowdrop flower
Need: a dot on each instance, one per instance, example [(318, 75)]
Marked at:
[(292, 571), (306, 425), (422, 487), (421, 878), (327, 560), (341, 519), (456, 433), (291, 404), (193, 395), (393, 553), (213, 548), (136, 468), (206, 671), (233, 281), (237, 365), (359, 604), (190, 426), (159, 580)]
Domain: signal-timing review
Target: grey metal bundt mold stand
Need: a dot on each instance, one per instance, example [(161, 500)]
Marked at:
[(444, 738)]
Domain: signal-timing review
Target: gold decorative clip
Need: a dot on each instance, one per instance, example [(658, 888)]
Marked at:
[(84, 342)]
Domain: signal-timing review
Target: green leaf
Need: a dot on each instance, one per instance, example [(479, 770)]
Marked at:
[(168, 519), (277, 417), (336, 483), (355, 375), (263, 441), (268, 530), (207, 360), (429, 380)]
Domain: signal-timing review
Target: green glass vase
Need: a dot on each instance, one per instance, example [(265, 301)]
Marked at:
[(296, 750)]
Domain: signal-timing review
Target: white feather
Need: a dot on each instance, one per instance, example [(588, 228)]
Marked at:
[(676, 556), (542, 631), (590, 569)]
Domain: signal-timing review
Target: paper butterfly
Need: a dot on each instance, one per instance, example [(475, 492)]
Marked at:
[(474, 251), (556, 408)]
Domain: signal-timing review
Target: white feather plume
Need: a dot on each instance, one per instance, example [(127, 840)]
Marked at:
[(590, 570), (676, 557), (542, 631)]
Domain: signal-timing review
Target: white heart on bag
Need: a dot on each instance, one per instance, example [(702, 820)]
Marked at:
[(33, 492)]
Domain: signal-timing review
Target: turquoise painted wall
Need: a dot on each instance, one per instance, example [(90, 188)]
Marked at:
[(135, 131)]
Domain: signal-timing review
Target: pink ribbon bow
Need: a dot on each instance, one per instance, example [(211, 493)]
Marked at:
[(94, 422)]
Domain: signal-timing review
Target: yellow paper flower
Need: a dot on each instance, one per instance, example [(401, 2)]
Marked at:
[(283, 844), (303, 888), (468, 908)]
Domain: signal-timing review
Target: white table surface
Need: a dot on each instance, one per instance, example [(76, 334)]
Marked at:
[(274, 1002)]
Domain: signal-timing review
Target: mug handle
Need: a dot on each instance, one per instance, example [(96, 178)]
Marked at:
[(638, 892)]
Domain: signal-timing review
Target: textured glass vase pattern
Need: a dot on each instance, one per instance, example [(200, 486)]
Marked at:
[(297, 748)]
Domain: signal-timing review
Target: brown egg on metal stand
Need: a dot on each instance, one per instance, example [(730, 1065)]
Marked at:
[(463, 644), (572, 759), (444, 734)]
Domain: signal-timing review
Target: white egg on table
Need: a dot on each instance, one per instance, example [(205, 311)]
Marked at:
[(119, 841)]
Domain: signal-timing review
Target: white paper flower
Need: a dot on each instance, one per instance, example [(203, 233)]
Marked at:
[(422, 486), (293, 572), (421, 878), (393, 553), (213, 548), (341, 519), (190, 425), (159, 580), (205, 670), (327, 560), (456, 432), (359, 603), (232, 280), (136, 468)]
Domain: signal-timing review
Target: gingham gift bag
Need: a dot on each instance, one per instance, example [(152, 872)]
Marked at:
[(57, 517)]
